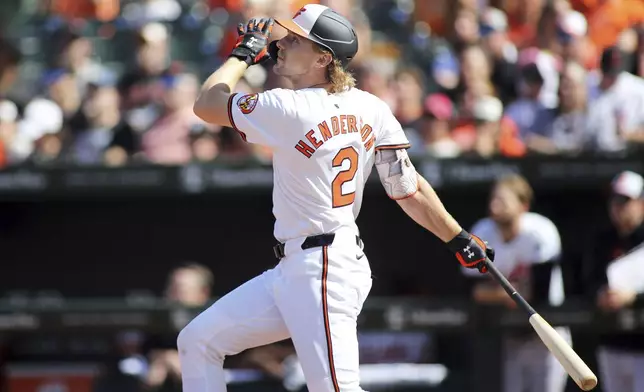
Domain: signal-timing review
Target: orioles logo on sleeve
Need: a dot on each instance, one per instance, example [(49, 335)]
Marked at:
[(247, 103)]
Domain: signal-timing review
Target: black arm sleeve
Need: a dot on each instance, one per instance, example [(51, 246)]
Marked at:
[(541, 280), (594, 269)]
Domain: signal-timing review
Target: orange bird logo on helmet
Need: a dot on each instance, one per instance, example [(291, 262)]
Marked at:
[(298, 13)]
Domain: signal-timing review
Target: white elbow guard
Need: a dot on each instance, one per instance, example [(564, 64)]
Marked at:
[(397, 173)]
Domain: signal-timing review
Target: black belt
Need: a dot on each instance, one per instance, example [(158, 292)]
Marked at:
[(313, 241)]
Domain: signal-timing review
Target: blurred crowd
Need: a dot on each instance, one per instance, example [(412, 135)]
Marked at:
[(113, 82)]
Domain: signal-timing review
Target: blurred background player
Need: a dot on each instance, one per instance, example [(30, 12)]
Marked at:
[(527, 248), (189, 285), (620, 355)]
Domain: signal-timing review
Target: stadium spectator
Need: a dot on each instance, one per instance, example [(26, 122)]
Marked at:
[(39, 138), (10, 58), (167, 141), (475, 67), (74, 54), (620, 356), (409, 89), (616, 117), (486, 133), (528, 112), (466, 27), (434, 130), (60, 86), (487, 122), (527, 248), (141, 87), (523, 16), (100, 118), (546, 39), (566, 134), (607, 19), (549, 64), (503, 52), (373, 80), (571, 29)]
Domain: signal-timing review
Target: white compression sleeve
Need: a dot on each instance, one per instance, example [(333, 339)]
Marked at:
[(397, 173)]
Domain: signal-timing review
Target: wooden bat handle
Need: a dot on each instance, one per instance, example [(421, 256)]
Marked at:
[(507, 286)]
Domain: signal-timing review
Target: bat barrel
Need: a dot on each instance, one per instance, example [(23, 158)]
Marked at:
[(567, 357)]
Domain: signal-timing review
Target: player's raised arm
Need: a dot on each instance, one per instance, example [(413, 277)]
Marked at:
[(251, 48)]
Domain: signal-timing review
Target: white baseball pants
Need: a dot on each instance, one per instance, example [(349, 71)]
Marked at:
[(620, 371), (530, 367), (313, 296)]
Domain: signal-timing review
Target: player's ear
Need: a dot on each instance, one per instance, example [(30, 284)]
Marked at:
[(324, 60)]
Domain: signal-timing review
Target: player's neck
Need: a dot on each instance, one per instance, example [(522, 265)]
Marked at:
[(310, 81), (509, 230)]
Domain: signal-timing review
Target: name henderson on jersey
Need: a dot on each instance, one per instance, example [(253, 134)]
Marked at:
[(342, 124)]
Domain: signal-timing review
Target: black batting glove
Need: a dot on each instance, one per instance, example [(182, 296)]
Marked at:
[(471, 251), (252, 44)]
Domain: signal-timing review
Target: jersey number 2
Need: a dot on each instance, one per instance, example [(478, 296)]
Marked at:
[(341, 199)]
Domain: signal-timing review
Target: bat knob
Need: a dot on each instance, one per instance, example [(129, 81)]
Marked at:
[(589, 384)]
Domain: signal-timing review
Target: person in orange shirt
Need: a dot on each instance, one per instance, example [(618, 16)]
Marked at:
[(523, 17), (608, 18), (488, 133), (104, 10)]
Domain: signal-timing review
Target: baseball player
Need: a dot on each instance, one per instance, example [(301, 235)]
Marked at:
[(326, 136), (527, 247), (620, 355)]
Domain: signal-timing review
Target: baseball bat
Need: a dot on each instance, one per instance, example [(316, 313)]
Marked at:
[(574, 366)]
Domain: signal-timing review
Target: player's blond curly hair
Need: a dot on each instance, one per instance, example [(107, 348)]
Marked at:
[(341, 79)]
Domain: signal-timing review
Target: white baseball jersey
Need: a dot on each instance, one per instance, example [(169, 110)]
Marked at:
[(538, 242), (323, 152), (528, 365)]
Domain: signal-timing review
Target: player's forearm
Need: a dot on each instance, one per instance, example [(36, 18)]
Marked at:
[(427, 210), (211, 104)]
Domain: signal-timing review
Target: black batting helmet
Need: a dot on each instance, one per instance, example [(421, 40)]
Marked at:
[(326, 28)]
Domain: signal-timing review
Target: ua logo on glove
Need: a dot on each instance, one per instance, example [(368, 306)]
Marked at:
[(252, 44), (471, 251)]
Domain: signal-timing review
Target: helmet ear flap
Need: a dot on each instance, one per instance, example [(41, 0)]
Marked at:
[(272, 50)]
